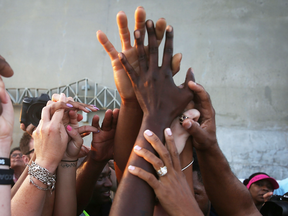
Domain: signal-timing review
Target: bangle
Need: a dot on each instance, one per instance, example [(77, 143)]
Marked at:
[(5, 161), (188, 165), (6, 176), (43, 175), (69, 160)]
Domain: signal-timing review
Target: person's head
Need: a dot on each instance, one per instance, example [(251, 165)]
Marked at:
[(27, 147), (102, 187), (16, 158), (199, 189), (259, 184)]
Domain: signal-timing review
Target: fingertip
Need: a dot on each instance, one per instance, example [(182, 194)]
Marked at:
[(187, 124), (131, 168), (69, 128)]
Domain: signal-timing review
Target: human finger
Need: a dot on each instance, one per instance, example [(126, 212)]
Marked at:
[(22, 126), (168, 48), (142, 59), (176, 61), (159, 148), (128, 68), (204, 98), (107, 121), (140, 18), (146, 176), (30, 128), (95, 121), (115, 118), (189, 77), (108, 46), (155, 161), (83, 151), (152, 44), (160, 30), (58, 114), (124, 32), (84, 107), (172, 149), (86, 128), (5, 69), (74, 134)]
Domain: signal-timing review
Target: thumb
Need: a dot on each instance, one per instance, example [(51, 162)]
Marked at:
[(194, 129)]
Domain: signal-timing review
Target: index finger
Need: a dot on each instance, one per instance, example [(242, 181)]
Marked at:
[(5, 69)]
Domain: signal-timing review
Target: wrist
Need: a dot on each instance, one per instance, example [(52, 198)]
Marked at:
[(5, 145), (51, 167)]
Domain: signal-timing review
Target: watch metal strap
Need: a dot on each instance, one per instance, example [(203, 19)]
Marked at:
[(6, 176), (5, 161)]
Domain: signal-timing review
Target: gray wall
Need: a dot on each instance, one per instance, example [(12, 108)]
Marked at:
[(238, 50)]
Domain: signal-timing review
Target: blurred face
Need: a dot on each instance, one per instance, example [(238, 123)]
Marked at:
[(27, 157), (258, 189), (200, 195), (102, 188), (16, 159)]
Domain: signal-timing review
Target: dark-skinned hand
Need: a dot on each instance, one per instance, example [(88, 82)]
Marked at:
[(154, 87)]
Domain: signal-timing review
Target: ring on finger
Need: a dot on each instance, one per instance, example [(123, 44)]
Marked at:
[(182, 118), (162, 171)]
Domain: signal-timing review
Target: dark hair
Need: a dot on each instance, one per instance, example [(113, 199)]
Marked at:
[(246, 181), (196, 167), (24, 143), (14, 149)]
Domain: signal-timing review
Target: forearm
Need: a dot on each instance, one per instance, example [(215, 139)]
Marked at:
[(86, 177), (133, 191), (129, 123), (65, 199), (227, 194), (29, 200)]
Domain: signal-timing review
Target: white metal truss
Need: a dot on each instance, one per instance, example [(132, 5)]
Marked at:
[(83, 91)]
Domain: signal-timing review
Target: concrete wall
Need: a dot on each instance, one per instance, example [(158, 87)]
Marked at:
[(238, 50)]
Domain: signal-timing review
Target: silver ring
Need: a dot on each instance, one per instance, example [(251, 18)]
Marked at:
[(182, 118), (162, 171)]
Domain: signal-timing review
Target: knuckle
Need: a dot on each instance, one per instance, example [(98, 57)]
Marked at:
[(153, 49), (169, 50), (166, 155)]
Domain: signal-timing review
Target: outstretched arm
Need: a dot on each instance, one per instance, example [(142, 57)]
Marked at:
[(161, 101), (216, 172)]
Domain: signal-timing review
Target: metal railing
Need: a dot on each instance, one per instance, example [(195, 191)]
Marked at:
[(83, 91)]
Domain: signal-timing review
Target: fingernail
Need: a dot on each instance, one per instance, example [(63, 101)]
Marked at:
[(137, 34), (120, 55), (95, 107), (69, 105), (149, 23), (69, 128), (168, 131), (130, 167), (137, 148), (195, 83), (148, 133), (88, 109), (169, 28), (188, 124), (197, 123)]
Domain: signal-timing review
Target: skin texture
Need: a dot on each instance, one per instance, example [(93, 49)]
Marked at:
[(152, 86), (6, 129), (216, 173), (172, 189), (258, 190), (130, 116)]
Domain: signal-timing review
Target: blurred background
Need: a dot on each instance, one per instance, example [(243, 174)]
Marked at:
[(237, 49)]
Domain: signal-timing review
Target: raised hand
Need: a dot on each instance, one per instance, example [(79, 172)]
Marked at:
[(123, 83), (154, 87), (103, 141), (204, 135)]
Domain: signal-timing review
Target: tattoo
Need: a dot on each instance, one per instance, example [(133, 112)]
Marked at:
[(68, 165), (143, 213)]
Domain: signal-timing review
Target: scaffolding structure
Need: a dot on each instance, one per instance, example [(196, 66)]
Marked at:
[(83, 91)]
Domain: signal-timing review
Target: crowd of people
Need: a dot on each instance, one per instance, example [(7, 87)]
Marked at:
[(162, 141)]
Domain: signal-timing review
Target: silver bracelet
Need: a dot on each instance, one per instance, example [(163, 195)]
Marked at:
[(43, 175), (188, 165)]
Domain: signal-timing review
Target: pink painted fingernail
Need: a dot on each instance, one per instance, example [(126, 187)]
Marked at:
[(168, 131), (69, 105), (148, 133), (130, 167), (137, 148), (95, 107), (69, 128)]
